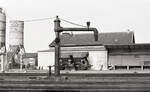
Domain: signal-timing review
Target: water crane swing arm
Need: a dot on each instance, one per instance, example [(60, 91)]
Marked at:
[(60, 29)]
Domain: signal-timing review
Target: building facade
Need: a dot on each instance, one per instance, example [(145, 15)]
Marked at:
[(98, 54), (81, 46), (129, 57)]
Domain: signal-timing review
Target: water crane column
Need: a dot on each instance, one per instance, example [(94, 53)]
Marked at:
[(57, 45)]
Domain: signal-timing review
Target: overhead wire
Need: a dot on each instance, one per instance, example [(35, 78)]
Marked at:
[(72, 23), (42, 19)]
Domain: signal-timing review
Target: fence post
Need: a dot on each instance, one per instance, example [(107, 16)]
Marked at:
[(49, 71)]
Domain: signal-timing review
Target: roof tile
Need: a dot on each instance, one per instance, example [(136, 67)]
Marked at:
[(112, 38)]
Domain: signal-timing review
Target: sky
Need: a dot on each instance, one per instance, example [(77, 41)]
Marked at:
[(105, 15)]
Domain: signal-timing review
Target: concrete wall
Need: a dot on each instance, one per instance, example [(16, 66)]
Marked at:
[(3, 63), (98, 60)]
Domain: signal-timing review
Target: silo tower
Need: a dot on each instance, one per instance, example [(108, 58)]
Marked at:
[(3, 60), (2, 28), (16, 43), (16, 34)]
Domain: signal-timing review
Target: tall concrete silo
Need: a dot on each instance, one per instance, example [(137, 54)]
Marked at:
[(16, 33), (16, 41), (2, 40), (2, 28)]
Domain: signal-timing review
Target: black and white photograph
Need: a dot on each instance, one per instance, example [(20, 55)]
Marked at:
[(74, 45)]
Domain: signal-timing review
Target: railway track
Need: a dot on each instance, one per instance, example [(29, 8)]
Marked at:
[(75, 83)]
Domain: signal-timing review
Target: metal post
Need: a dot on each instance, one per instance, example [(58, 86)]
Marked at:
[(57, 46), (49, 72), (2, 62), (128, 67), (21, 62)]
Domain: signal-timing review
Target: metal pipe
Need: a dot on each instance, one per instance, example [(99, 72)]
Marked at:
[(60, 29), (49, 71)]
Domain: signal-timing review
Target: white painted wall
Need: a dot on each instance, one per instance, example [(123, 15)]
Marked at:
[(45, 59), (98, 60)]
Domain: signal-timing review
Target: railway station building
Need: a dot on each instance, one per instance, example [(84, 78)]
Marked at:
[(112, 51)]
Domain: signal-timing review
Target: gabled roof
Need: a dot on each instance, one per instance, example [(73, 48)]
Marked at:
[(113, 38)]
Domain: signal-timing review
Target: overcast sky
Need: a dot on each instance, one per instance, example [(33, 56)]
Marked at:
[(105, 15)]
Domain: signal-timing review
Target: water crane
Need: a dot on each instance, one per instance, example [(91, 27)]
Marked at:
[(58, 29)]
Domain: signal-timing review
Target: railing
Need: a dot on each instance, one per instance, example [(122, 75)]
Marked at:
[(129, 67)]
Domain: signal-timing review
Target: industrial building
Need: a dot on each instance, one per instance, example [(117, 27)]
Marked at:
[(15, 56), (112, 51), (84, 46), (30, 61)]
